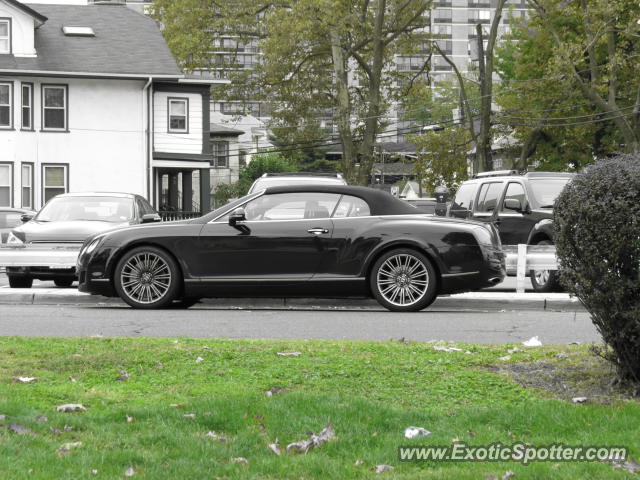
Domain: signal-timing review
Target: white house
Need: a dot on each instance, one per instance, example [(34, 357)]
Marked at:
[(92, 99)]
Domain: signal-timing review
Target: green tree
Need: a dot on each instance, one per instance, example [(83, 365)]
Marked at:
[(569, 82), (442, 157)]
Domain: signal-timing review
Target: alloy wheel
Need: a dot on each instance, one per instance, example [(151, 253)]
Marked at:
[(402, 279), (145, 278)]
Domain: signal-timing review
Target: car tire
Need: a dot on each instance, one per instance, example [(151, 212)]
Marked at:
[(63, 282), (147, 277), (20, 282), (545, 281), (403, 280)]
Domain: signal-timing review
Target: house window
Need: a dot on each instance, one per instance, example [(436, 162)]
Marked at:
[(55, 180), (6, 184), (54, 107), (220, 154), (27, 106), (5, 35), (6, 97), (27, 185), (178, 115)]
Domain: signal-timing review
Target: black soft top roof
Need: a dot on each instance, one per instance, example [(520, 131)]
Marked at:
[(380, 202)]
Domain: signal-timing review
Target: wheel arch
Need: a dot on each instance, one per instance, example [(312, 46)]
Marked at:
[(542, 230), (115, 259), (406, 244)]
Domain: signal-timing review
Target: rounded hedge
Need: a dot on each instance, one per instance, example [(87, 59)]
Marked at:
[(597, 237)]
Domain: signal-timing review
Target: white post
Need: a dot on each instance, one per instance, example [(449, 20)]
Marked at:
[(521, 267)]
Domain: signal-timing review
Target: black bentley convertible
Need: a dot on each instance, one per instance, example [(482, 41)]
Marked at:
[(313, 241)]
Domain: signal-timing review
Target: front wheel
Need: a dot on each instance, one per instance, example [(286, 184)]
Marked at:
[(147, 277), (403, 280), (545, 281)]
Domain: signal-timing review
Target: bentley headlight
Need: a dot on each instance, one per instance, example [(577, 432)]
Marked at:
[(13, 239), (92, 246)]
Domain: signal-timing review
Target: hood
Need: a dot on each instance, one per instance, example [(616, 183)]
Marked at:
[(73, 231)]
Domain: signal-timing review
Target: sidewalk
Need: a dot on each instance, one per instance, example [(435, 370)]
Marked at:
[(464, 301)]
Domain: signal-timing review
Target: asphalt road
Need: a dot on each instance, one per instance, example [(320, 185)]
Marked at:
[(207, 322)]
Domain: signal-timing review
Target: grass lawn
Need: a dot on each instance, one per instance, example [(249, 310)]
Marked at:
[(156, 421)]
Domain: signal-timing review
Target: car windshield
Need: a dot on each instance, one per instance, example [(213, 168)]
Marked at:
[(545, 190), (267, 182), (100, 209)]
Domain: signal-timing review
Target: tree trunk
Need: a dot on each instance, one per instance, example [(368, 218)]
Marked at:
[(374, 100), (484, 161), (343, 117)]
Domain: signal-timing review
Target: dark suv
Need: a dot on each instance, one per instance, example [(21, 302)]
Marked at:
[(521, 207)]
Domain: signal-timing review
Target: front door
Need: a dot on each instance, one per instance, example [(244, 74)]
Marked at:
[(284, 238), (486, 204), (514, 226)]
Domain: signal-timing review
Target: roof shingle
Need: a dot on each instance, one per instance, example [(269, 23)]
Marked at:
[(125, 42)]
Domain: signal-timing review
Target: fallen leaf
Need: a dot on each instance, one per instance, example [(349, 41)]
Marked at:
[(24, 379), (511, 351), (19, 429), (206, 347), (220, 372), (413, 432), (189, 415), (508, 475), (451, 414), (42, 418), (242, 460), (129, 418), (471, 433), (2, 416), (383, 468), (72, 379), (446, 349), (129, 472), (274, 447), (505, 358), (71, 445), (631, 466), (273, 391), (68, 428), (561, 355), (71, 407), (289, 354), (358, 463), (579, 399), (199, 359), (56, 431), (303, 446), (124, 376), (94, 472), (532, 342), (63, 451)]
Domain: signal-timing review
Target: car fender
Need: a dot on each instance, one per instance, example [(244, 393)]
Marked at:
[(542, 229), (404, 242)]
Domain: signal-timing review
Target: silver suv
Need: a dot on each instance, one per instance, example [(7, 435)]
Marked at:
[(296, 178)]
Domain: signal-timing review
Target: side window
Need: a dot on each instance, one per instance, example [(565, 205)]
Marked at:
[(488, 197), (464, 197), (291, 206), (514, 191), (352, 207), (144, 207)]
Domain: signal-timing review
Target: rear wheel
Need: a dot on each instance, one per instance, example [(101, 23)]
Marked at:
[(545, 281), (403, 280), (147, 277), (63, 282), (20, 282)]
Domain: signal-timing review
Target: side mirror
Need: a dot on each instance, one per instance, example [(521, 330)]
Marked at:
[(150, 218), (513, 204), (26, 217), (237, 216)]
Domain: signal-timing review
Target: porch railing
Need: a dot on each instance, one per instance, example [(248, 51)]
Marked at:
[(178, 215)]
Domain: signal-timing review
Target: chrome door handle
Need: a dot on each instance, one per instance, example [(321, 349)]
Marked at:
[(318, 231)]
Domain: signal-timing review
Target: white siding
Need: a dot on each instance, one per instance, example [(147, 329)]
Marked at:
[(22, 28), (190, 142), (105, 145)]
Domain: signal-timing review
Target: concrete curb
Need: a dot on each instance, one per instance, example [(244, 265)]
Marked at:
[(492, 301)]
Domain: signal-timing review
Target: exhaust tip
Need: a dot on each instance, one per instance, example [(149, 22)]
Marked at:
[(495, 280)]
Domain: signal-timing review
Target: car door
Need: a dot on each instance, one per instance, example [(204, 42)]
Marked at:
[(514, 226), (486, 204), (283, 238)]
